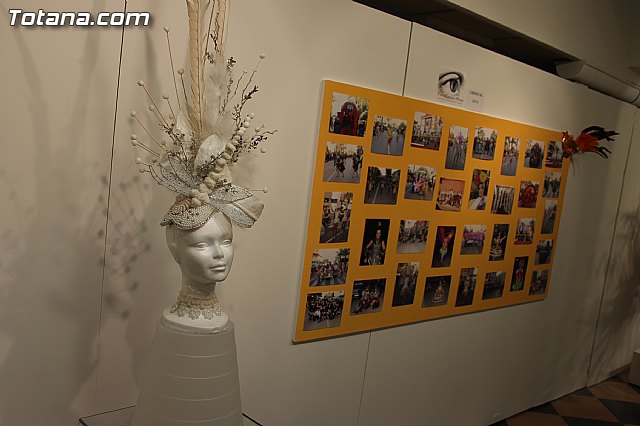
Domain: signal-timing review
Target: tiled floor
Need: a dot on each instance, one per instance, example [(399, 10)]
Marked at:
[(611, 403)]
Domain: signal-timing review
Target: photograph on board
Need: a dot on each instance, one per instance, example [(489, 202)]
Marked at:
[(342, 163), (473, 237), (329, 266), (467, 286), (510, 156), (502, 199), (484, 143), (443, 249), (336, 215), (493, 285), (436, 291), (551, 184), (520, 265), (323, 310), (382, 185), (479, 187), (457, 148), (374, 243), (348, 115), (388, 135), (368, 296), (404, 291), (533, 154), (528, 194), (499, 241), (525, 229), (427, 131), (554, 155), (544, 250), (549, 218), (421, 181), (412, 236), (539, 280), (450, 194)]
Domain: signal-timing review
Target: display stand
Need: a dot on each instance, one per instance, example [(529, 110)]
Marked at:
[(191, 378), (124, 416)]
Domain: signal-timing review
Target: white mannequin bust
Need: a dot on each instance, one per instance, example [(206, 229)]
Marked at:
[(204, 256)]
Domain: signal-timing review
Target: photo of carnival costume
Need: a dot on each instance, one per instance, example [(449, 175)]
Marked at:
[(192, 374)]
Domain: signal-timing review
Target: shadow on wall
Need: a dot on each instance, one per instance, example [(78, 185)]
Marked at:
[(50, 281), (619, 318)]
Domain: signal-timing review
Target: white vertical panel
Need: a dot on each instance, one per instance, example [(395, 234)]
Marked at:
[(56, 117), (305, 42), (479, 368)]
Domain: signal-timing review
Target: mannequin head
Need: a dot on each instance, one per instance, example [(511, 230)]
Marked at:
[(204, 254)]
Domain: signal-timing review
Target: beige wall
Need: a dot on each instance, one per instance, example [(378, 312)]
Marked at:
[(73, 343)]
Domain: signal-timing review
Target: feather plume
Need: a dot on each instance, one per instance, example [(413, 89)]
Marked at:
[(194, 12)]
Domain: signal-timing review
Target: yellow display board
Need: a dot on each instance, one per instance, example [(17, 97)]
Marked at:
[(422, 211)]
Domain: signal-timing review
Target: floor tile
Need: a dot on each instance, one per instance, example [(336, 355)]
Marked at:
[(529, 418), (544, 408), (582, 392), (615, 390), (626, 412), (583, 407), (576, 421)]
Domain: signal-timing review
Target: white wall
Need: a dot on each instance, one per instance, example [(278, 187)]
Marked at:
[(62, 357), (603, 33)]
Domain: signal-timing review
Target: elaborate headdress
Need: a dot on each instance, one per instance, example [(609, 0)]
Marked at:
[(209, 131)]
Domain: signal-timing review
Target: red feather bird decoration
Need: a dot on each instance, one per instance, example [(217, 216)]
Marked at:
[(587, 141)]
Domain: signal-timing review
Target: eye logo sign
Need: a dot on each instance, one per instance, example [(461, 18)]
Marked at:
[(451, 86)]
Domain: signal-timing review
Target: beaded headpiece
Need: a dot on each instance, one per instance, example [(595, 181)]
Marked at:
[(209, 131)]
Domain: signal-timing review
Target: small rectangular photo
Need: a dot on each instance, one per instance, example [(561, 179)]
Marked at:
[(412, 237), (551, 184), (443, 249), (524, 230), (528, 194), (436, 291), (493, 285), (510, 156), (374, 243), (421, 181), (503, 199), (382, 186), (329, 266), (484, 143), (543, 252), (479, 187), (427, 130), (499, 241), (388, 135), (533, 155), (549, 218), (405, 289), (336, 215), (554, 155), (368, 296), (520, 265), (348, 115), (342, 163), (467, 286), (473, 239), (457, 148), (539, 280), (450, 194), (323, 310)]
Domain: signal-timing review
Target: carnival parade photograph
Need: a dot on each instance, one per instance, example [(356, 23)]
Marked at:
[(502, 199), (484, 143), (443, 249), (427, 131), (539, 280), (493, 285), (329, 266), (323, 310), (510, 156), (525, 229), (388, 135), (404, 290), (551, 187), (348, 115), (436, 291), (528, 194), (543, 252), (499, 241), (368, 296), (520, 265), (554, 155), (479, 187), (467, 286), (374, 242), (457, 148), (342, 163), (421, 182), (473, 237), (336, 216), (450, 194), (533, 154), (382, 185), (412, 236), (549, 218)]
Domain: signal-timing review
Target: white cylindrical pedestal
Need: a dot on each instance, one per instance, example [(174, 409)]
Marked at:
[(190, 379)]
